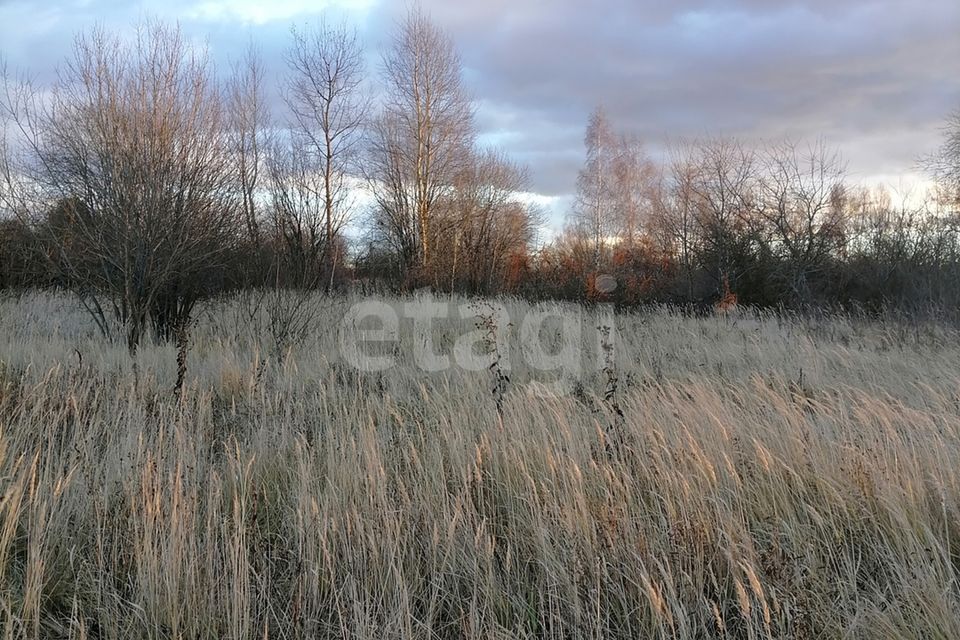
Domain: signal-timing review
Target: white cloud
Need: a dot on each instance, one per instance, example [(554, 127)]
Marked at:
[(258, 12)]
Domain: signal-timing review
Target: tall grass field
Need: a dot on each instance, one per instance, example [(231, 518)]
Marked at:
[(498, 470)]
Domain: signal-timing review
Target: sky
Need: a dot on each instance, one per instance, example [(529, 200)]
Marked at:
[(875, 78)]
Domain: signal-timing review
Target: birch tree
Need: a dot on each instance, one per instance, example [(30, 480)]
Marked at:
[(420, 141), (595, 183)]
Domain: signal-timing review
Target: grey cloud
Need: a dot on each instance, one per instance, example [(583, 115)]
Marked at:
[(852, 72), (873, 76)]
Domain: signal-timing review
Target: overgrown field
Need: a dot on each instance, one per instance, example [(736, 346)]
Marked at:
[(769, 477)]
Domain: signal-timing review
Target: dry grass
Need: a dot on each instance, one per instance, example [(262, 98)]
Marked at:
[(771, 478)]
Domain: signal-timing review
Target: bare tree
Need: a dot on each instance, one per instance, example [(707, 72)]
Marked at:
[(130, 148), (799, 198), (394, 220), (595, 184), (675, 210), (303, 229), (20, 196), (944, 164), (633, 185), (421, 140), (329, 105), (250, 125), (490, 222), (723, 187)]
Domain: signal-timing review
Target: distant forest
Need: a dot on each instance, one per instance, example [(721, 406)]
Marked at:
[(145, 180)]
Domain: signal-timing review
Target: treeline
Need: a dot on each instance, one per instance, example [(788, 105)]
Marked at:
[(145, 181), (778, 224)]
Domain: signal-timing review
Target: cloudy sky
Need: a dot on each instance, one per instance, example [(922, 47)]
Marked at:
[(874, 77)]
